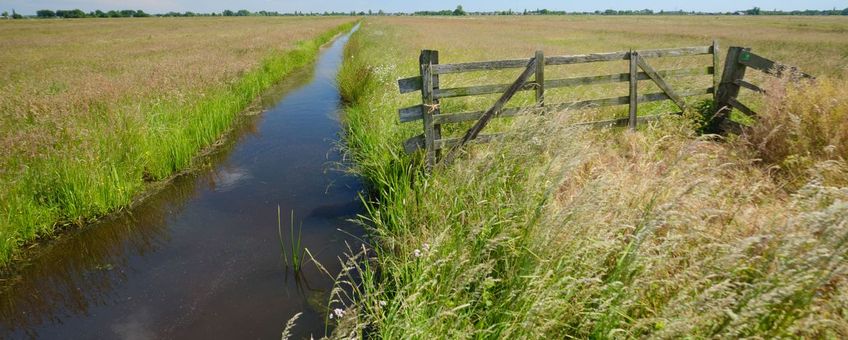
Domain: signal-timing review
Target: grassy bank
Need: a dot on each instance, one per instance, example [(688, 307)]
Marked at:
[(563, 232), (101, 130)]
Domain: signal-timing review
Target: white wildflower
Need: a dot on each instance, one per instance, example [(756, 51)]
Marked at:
[(338, 313), (416, 253)]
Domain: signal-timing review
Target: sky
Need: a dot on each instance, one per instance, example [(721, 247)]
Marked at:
[(205, 6)]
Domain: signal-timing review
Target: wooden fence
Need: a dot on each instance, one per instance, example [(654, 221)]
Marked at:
[(429, 111), (738, 60)]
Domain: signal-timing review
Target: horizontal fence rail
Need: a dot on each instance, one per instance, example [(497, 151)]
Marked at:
[(725, 89)]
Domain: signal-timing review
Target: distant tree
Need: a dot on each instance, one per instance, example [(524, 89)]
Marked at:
[(15, 15), (141, 14), (845, 11), (189, 14), (243, 13), (370, 12), (5, 14), (228, 13), (380, 12), (754, 11), (70, 13), (45, 13), (459, 10)]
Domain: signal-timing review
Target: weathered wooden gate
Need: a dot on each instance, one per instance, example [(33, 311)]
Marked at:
[(429, 111)]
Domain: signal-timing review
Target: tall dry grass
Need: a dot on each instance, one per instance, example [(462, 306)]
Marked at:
[(560, 232), (802, 126)]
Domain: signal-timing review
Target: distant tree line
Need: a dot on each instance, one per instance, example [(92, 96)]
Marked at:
[(752, 11), (458, 11), (77, 13)]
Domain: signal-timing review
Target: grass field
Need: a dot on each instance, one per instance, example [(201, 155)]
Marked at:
[(558, 232), (94, 110)]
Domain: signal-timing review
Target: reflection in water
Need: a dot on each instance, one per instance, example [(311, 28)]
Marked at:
[(200, 258), (79, 270)]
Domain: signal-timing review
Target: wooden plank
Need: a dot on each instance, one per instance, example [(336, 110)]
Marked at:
[(413, 144), (479, 90), (727, 88), (429, 104), (585, 58), (446, 118), (716, 80), (411, 84), (540, 79), (660, 82), (741, 107), (577, 105), (623, 77), (747, 85), (495, 109), (434, 109), (674, 52), (624, 55), (634, 103), (568, 82), (569, 59), (651, 97), (454, 142), (412, 113), (485, 138), (480, 66), (770, 67)]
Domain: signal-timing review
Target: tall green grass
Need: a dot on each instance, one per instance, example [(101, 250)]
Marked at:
[(84, 179), (559, 232)]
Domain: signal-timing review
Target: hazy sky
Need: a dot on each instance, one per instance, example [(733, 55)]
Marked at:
[(159, 6)]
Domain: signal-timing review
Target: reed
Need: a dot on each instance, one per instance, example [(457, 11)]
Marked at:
[(293, 256)]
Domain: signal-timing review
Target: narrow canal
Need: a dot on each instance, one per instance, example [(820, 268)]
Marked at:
[(202, 258)]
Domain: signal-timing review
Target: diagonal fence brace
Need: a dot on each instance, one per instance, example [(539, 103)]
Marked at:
[(495, 109)]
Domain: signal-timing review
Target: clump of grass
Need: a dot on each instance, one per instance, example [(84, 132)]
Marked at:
[(293, 256), (800, 126), (560, 232)]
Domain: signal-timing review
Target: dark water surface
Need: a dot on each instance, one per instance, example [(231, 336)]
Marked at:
[(201, 258)]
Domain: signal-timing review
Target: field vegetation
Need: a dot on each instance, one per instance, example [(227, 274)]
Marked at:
[(93, 111), (559, 232)]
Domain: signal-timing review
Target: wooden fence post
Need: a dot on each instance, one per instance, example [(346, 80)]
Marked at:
[(429, 83), (540, 78), (634, 80), (716, 79), (728, 89)]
